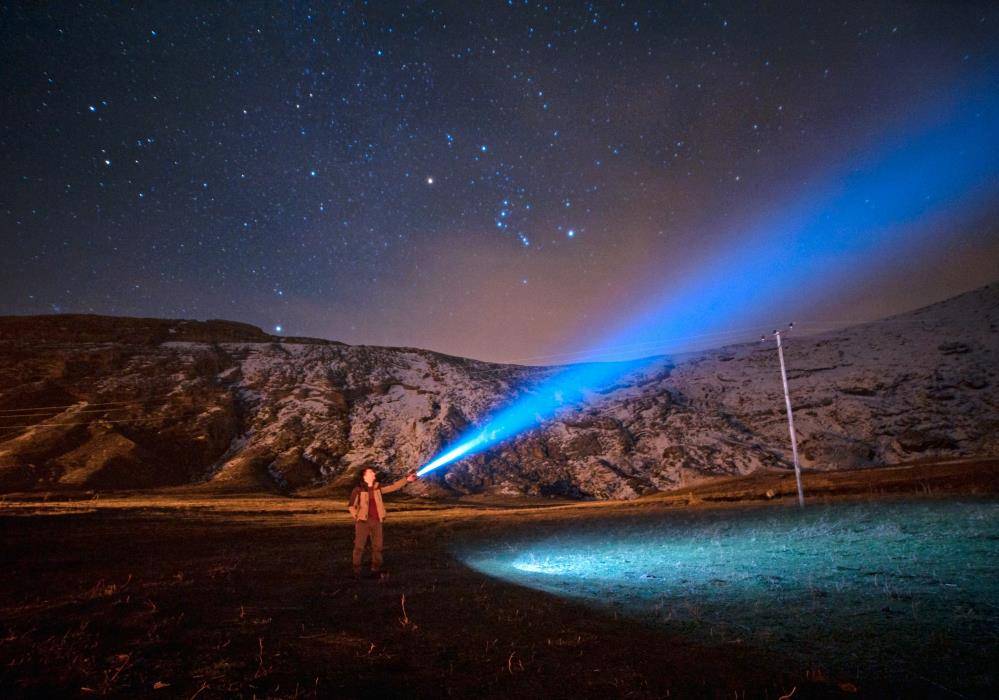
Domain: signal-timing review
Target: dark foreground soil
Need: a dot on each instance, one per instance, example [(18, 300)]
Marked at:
[(157, 598)]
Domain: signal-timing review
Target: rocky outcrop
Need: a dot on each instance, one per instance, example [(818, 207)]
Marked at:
[(114, 403)]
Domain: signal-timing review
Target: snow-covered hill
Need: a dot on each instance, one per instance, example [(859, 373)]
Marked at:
[(119, 403)]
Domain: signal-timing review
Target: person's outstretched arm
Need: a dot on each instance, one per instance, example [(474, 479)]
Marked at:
[(396, 485)]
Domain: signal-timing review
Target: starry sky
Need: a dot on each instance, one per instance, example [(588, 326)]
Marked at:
[(498, 180)]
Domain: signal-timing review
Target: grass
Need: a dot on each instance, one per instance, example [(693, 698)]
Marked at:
[(885, 590), (195, 604), (183, 594)]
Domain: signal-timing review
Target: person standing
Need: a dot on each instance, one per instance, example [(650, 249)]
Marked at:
[(368, 511)]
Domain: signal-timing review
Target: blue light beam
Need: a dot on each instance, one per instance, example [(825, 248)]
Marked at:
[(568, 387), (881, 205)]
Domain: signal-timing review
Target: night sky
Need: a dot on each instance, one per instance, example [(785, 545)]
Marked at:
[(496, 180)]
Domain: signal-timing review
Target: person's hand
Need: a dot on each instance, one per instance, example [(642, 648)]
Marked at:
[(411, 477)]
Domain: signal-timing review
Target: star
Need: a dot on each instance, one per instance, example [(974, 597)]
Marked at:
[(246, 206)]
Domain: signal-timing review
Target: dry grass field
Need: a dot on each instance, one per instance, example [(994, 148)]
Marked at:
[(185, 594)]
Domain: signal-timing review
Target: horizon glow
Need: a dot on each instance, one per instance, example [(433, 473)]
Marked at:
[(880, 204)]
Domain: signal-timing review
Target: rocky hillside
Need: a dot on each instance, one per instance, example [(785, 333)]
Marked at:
[(103, 403)]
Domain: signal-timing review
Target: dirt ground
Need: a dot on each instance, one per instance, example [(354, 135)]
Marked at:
[(174, 595)]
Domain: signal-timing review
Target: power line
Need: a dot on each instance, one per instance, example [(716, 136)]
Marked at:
[(88, 404), (513, 366), (648, 346), (56, 412), (667, 344), (648, 343), (604, 354), (70, 424), (662, 346), (854, 324)]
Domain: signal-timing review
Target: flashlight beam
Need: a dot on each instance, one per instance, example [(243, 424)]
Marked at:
[(451, 455), (941, 167)]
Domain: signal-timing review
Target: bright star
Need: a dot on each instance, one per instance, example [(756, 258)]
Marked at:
[(430, 180), (277, 329), (571, 233)]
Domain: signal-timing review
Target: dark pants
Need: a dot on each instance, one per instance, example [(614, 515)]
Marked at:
[(362, 531)]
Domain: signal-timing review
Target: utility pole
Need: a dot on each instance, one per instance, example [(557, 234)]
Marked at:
[(790, 415)]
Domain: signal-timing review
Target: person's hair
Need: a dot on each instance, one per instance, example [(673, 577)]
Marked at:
[(360, 473)]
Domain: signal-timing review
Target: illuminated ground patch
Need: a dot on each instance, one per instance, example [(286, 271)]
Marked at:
[(874, 590)]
